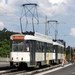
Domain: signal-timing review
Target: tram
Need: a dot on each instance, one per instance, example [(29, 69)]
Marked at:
[(31, 49)]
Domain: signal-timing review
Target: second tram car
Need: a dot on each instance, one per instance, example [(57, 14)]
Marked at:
[(59, 49), (31, 49)]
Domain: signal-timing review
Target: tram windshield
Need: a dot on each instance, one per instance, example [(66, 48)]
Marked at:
[(20, 46), (17, 46)]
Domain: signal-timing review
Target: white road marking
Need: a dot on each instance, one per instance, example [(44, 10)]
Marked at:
[(55, 69), (3, 71)]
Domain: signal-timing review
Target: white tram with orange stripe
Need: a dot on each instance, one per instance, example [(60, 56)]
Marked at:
[(31, 49)]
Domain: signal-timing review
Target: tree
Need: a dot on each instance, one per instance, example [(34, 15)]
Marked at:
[(4, 48), (4, 30), (5, 42)]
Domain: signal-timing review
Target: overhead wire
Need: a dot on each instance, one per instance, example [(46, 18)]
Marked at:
[(63, 33), (9, 11)]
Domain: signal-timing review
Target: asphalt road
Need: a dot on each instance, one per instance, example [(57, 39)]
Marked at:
[(3, 64), (68, 69)]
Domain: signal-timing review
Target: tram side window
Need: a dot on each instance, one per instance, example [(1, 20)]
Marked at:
[(39, 46), (27, 46), (43, 47), (59, 49), (62, 50), (49, 48)]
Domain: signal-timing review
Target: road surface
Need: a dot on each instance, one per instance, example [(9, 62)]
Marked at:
[(68, 69)]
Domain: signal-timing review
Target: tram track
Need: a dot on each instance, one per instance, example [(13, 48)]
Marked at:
[(29, 71), (5, 67), (2, 72)]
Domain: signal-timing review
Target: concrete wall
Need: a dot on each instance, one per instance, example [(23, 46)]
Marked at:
[(2, 59)]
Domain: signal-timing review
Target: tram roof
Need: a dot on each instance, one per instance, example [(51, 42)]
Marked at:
[(35, 36), (58, 44)]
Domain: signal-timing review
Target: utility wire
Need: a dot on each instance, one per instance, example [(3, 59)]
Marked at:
[(9, 11)]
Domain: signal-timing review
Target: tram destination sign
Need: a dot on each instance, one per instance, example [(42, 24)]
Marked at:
[(18, 37)]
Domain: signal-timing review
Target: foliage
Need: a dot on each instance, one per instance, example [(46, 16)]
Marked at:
[(5, 42), (4, 48), (69, 53), (68, 57)]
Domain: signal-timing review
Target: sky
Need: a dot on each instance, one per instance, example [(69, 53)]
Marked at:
[(62, 11)]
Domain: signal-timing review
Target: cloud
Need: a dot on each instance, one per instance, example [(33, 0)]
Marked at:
[(59, 7), (72, 32), (1, 25), (7, 8), (56, 1), (51, 8), (46, 7)]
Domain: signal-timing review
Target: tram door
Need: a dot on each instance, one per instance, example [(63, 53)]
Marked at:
[(32, 52)]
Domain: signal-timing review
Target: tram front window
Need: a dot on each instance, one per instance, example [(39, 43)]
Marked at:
[(17, 46)]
